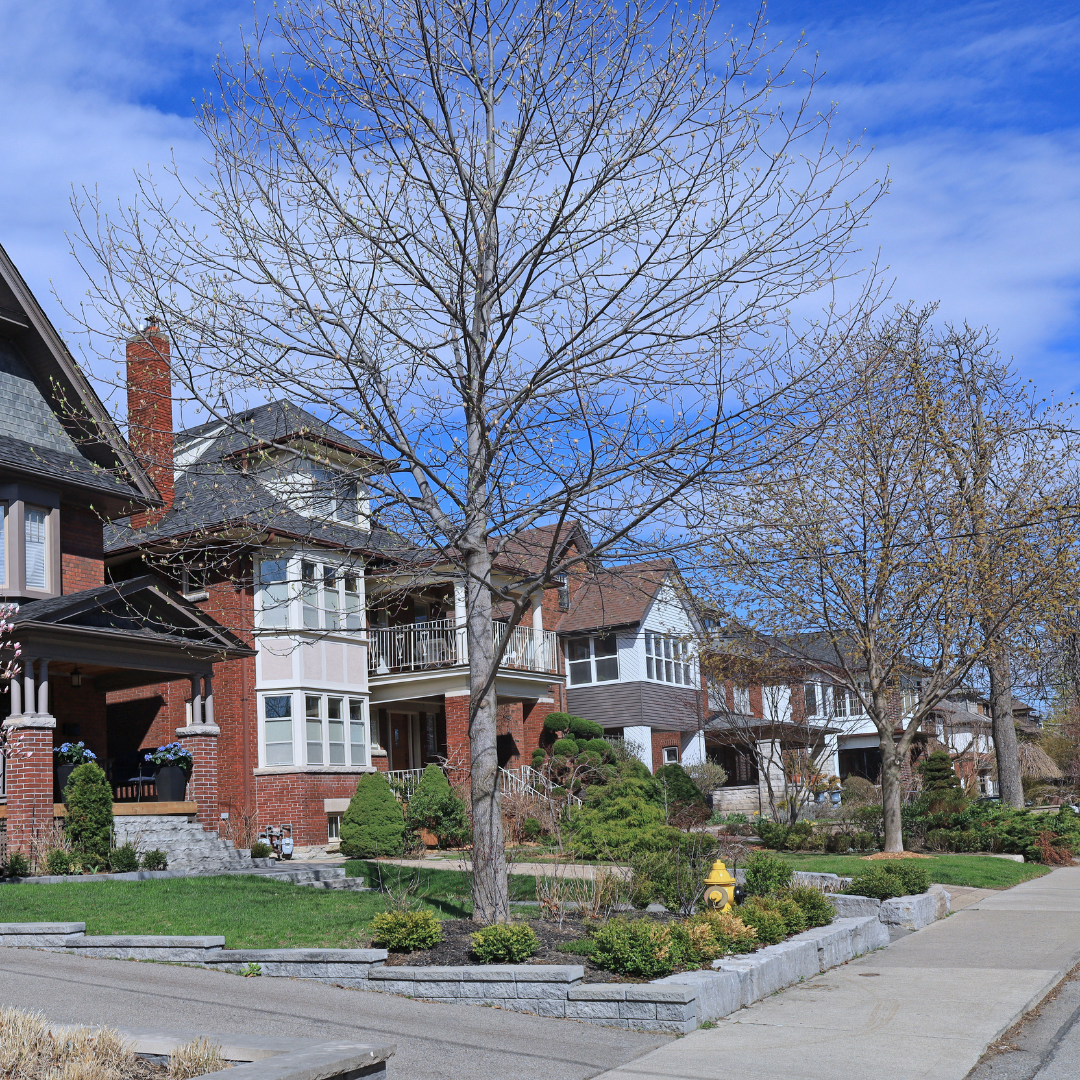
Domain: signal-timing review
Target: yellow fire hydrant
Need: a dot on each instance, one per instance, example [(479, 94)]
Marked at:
[(720, 887)]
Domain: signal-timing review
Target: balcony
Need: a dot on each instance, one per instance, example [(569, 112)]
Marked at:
[(441, 643)]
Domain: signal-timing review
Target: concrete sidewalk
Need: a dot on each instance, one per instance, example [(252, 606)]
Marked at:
[(925, 1008)]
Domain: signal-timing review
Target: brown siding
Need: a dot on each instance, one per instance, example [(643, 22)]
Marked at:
[(656, 705)]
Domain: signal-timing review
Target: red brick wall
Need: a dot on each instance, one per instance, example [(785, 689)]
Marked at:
[(29, 787), (203, 785), (660, 739), (509, 724), (82, 705), (457, 732), (297, 799), (150, 416), (82, 558)]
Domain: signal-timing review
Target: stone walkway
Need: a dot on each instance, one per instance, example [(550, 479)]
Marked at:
[(923, 1009)]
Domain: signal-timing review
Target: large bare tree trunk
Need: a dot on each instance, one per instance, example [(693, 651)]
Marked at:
[(491, 898), (891, 761), (1001, 714)]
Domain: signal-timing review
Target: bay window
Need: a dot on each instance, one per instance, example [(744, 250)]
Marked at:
[(667, 659), (325, 597), (335, 730), (593, 659), (278, 729)]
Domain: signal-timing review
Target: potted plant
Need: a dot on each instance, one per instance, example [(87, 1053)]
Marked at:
[(172, 768), (68, 756)]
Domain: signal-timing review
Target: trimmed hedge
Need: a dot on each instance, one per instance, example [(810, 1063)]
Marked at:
[(374, 823)]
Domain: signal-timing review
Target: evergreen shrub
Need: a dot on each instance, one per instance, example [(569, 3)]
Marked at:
[(155, 859), (261, 850), (635, 947), (890, 878), (762, 914), (17, 865), (89, 821), (374, 823), (405, 931), (680, 788), (581, 728), (435, 807), (814, 903), (564, 748), (505, 943), (618, 820), (766, 874), (58, 862), (124, 859)]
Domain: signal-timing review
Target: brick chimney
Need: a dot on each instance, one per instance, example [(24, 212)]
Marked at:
[(150, 415)]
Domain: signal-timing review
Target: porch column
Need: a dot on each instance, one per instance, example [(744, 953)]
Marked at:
[(461, 640), (538, 611), (458, 749), (15, 684), (43, 688), (208, 699), (29, 696), (202, 789), (196, 700), (29, 779)]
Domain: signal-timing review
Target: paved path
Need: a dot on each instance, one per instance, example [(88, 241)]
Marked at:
[(923, 1009), (565, 869), (434, 1042)]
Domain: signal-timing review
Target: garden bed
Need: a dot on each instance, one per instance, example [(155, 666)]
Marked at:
[(970, 871)]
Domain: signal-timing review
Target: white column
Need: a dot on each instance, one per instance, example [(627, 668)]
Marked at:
[(461, 640), (196, 699), (43, 688), (538, 611), (29, 696), (15, 683), (208, 699)]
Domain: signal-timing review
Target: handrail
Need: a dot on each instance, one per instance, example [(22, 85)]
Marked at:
[(442, 643)]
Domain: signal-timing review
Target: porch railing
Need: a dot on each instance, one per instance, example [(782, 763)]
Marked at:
[(519, 780), (441, 643)]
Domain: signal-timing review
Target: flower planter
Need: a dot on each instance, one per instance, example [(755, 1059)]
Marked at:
[(63, 774), (171, 782)]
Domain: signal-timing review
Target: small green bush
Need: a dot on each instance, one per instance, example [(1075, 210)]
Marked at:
[(839, 842), (635, 947), (155, 859), (435, 807), (124, 859), (598, 746), (887, 879), (772, 835), (619, 820), (505, 943), (17, 865), (374, 823), (680, 788), (261, 850), (766, 874), (581, 947), (814, 903), (539, 756), (712, 934), (405, 931), (581, 728), (761, 914), (58, 862), (794, 917), (564, 748), (531, 829), (89, 822)]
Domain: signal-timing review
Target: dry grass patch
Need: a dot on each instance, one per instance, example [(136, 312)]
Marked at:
[(31, 1050)]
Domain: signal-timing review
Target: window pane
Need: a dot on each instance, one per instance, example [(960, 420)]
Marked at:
[(336, 739), (322, 491), (34, 528), (332, 603), (649, 667), (578, 649), (314, 742), (347, 502), (581, 672), (667, 648), (607, 669), (810, 699), (277, 731), (648, 643), (278, 705), (310, 592), (313, 705), (357, 733), (333, 827), (279, 753), (353, 618), (668, 674), (605, 645), (273, 574)]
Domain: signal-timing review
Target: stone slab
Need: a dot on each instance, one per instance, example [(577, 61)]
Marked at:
[(719, 993), (852, 907), (909, 912)]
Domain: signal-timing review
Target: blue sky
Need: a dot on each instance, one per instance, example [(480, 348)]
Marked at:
[(974, 108)]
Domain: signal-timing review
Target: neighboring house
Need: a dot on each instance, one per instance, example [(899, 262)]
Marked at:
[(64, 469)]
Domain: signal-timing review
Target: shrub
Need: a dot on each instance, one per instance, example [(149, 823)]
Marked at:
[(405, 931), (597, 746), (619, 820), (814, 903), (679, 787), (857, 791), (795, 919), (761, 915), (895, 877), (839, 842), (557, 721), (374, 823), (155, 859), (435, 807), (938, 773), (635, 947), (17, 865), (261, 850), (539, 756), (58, 862), (504, 943), (766, 874), (564, 748), (675, 875), (729, 933), (531, 829), (773, 835), (124, 859), (581, 728), (580, 947), (89, 822), (799, 836)]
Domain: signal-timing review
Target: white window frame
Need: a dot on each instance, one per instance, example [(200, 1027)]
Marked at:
[(668, 660), (333, 827), (265, 720), (592, 665), (670, 755), (354, 720), (314, 596)]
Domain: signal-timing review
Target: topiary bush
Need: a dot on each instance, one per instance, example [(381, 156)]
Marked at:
[(504, 943), (434, 806), (124, 859), (557, 721), (405, 931), (89, 822), (374, 823), (891, 878), (766, 875), (564, 748), (581, 728), (635, 947), (155, 859)]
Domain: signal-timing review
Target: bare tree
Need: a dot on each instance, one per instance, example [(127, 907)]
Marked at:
[(529, 251), (861, 559)]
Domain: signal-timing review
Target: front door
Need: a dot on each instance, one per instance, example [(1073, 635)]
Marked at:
[(400, 748)]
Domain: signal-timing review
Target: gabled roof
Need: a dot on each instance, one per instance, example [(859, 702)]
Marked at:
[(52, 409), (614, 597), (534, 550), (143, 607)]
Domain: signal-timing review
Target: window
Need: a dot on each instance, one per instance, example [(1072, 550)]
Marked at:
[(335, 731), (274, 589), (741, 698), (671, 755), (333, 827), (334, 495), (667, 659), (814, 698), (277, 729), (353, 618), (847, 702), (193, 582), (593, 659), (331, 598), (313, 720), (357, 732), (309, 593), (34, 533)]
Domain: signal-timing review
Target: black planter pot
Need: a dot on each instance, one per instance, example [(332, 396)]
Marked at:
[(63, 774), (171, 781)]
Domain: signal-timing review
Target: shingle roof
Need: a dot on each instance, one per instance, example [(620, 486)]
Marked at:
[(618, 596), (66, 468)]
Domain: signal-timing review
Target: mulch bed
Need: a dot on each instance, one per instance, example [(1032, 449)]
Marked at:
[(454, 949)]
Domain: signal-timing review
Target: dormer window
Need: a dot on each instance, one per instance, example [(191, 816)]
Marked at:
[(334, 494)]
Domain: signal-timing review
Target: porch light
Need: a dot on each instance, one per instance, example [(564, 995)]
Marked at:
[(76, 677)]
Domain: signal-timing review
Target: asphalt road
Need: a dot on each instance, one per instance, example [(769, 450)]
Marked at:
[(434, 1042)]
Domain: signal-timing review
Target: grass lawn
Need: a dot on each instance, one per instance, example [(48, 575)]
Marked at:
[(976, 871), (249, 912), (433, 886)]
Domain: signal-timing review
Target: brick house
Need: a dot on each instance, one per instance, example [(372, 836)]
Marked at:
[(64, 469)]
